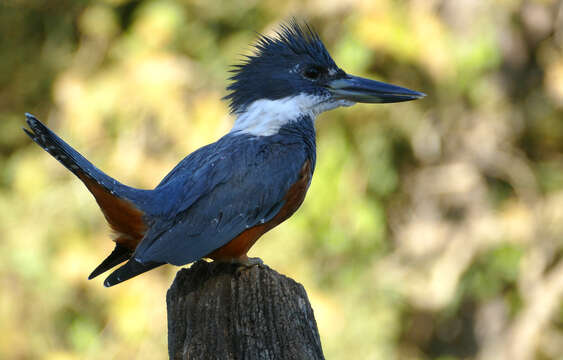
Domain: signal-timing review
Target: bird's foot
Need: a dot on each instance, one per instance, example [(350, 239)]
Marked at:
[(250, 262), (241, 263), (246, 263)]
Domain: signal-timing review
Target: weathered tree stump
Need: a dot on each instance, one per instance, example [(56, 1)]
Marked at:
[(215, 312)]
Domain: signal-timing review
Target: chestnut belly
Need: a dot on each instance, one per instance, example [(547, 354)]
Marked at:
[(239, 246)]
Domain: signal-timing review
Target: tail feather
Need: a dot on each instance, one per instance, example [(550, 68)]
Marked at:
[(65, 154), (120, 204), (131, 269), (117, 256), (78, 164)]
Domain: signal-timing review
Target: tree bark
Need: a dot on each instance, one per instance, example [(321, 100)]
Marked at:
[(218, 312)]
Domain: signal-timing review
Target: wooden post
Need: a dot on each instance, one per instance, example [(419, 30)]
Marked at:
[(217, 312)]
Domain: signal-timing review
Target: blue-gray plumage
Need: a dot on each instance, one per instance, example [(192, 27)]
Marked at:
[(221, 198), (241, 183)]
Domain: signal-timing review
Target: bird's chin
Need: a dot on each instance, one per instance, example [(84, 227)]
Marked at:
[(332, 104), (346, 103)]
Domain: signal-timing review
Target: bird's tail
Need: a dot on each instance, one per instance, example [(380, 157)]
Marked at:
[(119, 203), (130, 269), (66, 155)]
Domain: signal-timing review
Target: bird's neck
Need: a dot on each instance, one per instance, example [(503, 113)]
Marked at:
[(301, 131), (266, 117)]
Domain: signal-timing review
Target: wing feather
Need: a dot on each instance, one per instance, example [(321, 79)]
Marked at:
[(228, 193)]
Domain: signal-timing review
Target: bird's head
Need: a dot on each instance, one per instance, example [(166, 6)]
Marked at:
[(292, 73)]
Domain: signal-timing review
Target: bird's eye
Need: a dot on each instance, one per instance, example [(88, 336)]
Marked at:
[(312, 73)]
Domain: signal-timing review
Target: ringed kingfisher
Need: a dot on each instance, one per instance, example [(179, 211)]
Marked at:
[(221, 198)]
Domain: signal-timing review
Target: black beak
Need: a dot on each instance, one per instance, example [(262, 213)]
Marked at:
[(357, 89)]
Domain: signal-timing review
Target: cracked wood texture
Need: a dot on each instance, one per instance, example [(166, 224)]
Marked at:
[(215, 312)]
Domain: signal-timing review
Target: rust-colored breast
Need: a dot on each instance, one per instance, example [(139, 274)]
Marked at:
[(239, 246), (123, 217)]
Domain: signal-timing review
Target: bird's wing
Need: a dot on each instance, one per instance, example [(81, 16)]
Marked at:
[(234, 191)]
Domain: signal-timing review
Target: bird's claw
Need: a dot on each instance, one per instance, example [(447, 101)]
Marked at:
[(247, 263)]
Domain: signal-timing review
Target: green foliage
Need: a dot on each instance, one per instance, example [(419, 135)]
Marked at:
[(432, 229)]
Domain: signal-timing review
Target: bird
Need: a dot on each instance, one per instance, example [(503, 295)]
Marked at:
[(220, 199)]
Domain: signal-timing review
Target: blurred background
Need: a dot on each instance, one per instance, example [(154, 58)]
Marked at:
[(432, 230)]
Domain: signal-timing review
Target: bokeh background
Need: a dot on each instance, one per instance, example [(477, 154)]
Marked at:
[(432, 230)]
